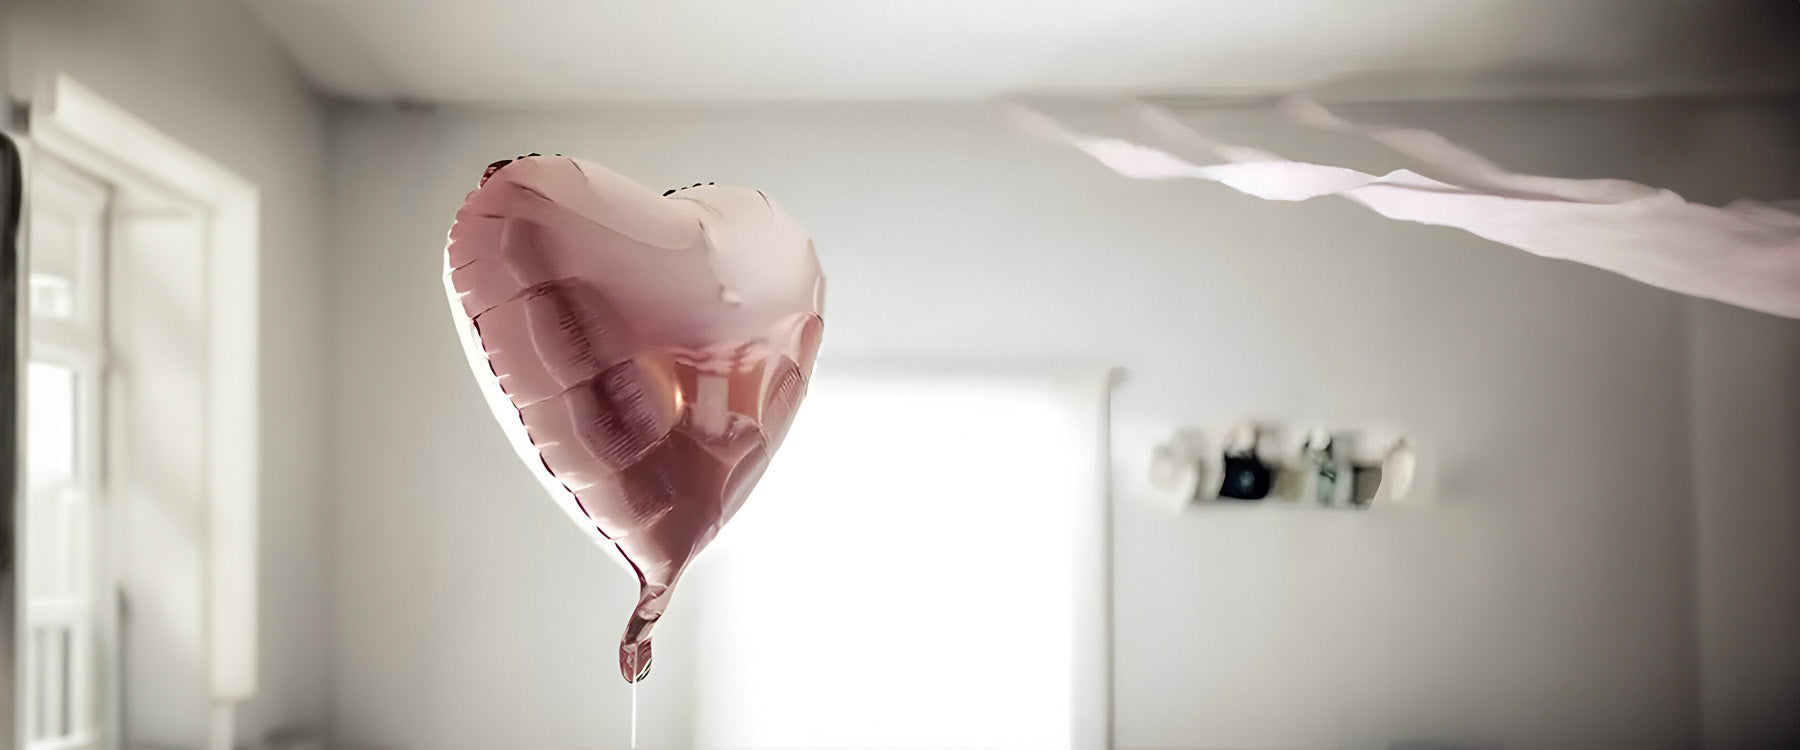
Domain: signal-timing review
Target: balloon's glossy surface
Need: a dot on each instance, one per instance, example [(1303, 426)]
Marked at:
[(645, 352)]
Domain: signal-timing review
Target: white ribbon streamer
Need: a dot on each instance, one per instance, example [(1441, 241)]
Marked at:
[(1746, 253)]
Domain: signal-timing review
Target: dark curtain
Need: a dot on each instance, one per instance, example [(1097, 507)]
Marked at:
[(11, 190)]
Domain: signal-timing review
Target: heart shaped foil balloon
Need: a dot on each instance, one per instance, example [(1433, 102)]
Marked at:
[(644, 352)]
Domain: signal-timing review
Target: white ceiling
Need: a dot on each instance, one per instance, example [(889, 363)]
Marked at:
[(564, 51)]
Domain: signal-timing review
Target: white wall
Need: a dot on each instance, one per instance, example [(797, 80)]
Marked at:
[(1744, 406), (205, 74), (156, 464), (1548, 598), (1746, 422), (1747, 442)]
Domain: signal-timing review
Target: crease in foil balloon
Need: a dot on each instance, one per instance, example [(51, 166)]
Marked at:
[(644, 353)]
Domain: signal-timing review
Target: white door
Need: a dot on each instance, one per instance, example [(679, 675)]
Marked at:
[(65, 255)]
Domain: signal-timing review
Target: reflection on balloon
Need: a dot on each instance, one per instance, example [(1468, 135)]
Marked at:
[(645, 352)]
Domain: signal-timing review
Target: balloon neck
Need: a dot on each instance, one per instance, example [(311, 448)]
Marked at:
[(634, 660), (634, 647)]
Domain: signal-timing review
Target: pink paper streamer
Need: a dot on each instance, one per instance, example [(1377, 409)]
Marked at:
[(1746, 253)]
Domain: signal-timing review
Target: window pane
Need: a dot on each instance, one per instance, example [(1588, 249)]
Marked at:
[(40, 682), (64, 677), (860, 601), (55, 545), (67, 231), (53, 257), (50, 419), (51, 677), (52, 297)]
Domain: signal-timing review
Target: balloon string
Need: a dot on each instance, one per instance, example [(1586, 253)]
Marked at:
[(634, 716)]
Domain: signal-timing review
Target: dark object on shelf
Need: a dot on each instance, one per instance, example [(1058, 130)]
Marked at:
[(1246, 477)]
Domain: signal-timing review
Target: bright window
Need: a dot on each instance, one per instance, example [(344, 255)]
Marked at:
[(905, 574), (66, 355)]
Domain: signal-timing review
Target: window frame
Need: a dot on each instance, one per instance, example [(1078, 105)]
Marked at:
[(78, 345)]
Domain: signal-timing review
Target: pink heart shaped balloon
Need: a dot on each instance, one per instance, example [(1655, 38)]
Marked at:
[(644, 353)]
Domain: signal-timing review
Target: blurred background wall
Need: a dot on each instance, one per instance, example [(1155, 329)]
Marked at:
[(1609, 560), (1583, 579), (1744, 443)]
